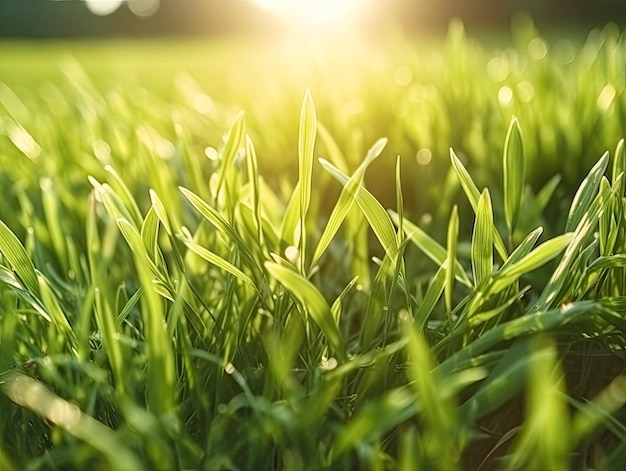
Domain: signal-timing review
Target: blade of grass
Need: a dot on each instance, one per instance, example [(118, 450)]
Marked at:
[(431, 248), (453, 235), (311, 302), (15, 253), (306, 146), (33, 395), (346, 200), (514, 169), (482, 241), (473, 196)]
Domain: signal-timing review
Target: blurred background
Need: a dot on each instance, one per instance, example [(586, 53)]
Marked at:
[(72, 18)]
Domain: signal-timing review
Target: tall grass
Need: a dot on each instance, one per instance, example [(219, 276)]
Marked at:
[(161, 310)]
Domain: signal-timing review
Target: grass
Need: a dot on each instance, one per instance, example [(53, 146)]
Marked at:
[(175, 299)]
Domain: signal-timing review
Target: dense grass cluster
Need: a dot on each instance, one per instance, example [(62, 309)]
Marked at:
[(169, 300)]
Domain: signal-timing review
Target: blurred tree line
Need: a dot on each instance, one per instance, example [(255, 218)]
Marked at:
[(70, 18)]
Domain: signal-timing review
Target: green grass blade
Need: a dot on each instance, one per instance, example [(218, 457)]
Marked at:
[(160, 211), (16, 255), (431, 248), (217, 261), (453, 235), (306, 146), (33, 395), (433, 294), (586, 193), (482, 241), (375, 419), (619, 162), (233, 142), (514, 169), (312, 302), (538, 321), (546, 411), (346, 200), (440, 428), (255, 192), (536, 258), (373, 211), (473, 196)]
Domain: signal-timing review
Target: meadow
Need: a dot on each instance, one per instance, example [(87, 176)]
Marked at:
[(401, 253)]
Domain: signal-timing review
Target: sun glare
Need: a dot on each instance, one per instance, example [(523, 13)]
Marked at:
[(319, 13)]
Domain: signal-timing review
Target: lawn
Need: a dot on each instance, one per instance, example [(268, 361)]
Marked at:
[(383, 253)]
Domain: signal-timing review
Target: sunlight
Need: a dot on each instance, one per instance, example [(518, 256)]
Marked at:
[(319, 13)]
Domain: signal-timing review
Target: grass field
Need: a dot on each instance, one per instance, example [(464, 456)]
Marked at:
[(400, 253)]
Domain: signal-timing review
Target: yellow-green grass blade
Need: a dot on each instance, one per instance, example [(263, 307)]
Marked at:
[(233, 142), (306, 147), (535, 259), (431, 248), (218, 261), (311, 302), (125, 195), (33, 395), (473, 196), (534, 322), (346, 200), (15, 253), (161, 386), (586, 193), (219, 222), (255, 192), (373, 211), (546, 412), (53, 307), (160, 211), (619, 162), (432, 296), (440, 429), (50, 204), (482, 240), (559, 283), (453, 236), (290, 228), (514, 170), (598, 411), (375, 419)]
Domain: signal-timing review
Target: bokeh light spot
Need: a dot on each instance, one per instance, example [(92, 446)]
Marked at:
[(403, 76), (424, 156), (103, 7), (144, 7), (498, 69), (537, 49), (505, 95)]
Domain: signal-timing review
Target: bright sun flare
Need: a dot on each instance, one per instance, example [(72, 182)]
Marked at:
[(317, 12)]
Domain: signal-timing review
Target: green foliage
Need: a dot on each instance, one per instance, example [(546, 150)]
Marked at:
[(159, 309)]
